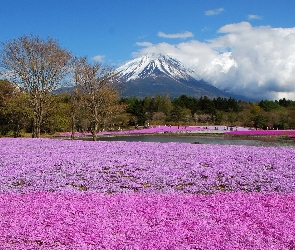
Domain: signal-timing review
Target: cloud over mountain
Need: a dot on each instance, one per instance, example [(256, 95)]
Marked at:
[(256, 61), (154, 74)]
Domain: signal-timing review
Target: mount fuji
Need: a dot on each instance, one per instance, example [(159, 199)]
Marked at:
[(161, 74), (154, 65)]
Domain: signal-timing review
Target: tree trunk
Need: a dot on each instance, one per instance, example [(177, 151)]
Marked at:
[(38, 101), (72, 126), (94, 136), (94, 131), (38, 131), (34, 128), (37, 126), (95, 124)]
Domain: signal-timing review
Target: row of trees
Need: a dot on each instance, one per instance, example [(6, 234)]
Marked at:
[(219, 111), (39, 67), (76, 110), (95, 107)]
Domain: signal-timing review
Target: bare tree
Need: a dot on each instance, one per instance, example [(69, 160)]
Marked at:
[(75, 96), (98, 94), (39, 66)]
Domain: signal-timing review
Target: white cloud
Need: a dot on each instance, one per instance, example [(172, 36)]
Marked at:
[(177, 35), (144, 44), (251, 16), (214, 12), (254, 61), (206, 28), (98, 58)]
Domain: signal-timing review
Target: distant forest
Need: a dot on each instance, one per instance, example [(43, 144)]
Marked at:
[(16, 112), (186, 110)]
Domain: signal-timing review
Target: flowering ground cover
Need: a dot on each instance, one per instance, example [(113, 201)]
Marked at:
[(118, 167), (141, 221), (63, 194)]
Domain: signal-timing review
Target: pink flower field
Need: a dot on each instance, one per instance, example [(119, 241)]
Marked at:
[(139, 221), (62, 194)]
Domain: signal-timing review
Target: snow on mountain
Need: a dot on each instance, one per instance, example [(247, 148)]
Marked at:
[(160, 74), (153, 65)]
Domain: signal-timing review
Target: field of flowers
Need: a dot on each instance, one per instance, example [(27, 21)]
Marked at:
[(62, 194)]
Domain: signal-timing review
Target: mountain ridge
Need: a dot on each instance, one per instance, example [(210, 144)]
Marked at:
[(161, 74), (150, 64)]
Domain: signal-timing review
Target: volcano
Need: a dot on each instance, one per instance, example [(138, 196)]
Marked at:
[(160, 74)]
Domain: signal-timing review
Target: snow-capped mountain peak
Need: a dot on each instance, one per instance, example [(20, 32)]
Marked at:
[(153, 65)]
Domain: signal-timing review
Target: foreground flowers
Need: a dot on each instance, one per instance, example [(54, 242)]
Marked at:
[(138, 221), (29, 165), (61, 194)]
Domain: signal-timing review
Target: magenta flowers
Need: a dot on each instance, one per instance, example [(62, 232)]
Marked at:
[(62, 194), (138, 221), (120, 167)]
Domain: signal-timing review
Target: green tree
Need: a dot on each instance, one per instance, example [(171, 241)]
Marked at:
[(269, 105), (15, 113), (219, 118), (255, 110), (137, 111), (39, 66), (206, 105), (163, 104), (260, 121), (187, 102), (57, 117), (180, 115), (148, 107), (99, 96), (176, 114)]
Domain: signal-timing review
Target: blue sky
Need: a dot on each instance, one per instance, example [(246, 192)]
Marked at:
[(214, 38)]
